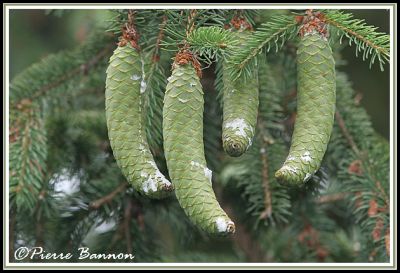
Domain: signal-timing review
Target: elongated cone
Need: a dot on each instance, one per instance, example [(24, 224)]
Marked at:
[(184, 151), (316, 97), (240, 109), (125, 124)]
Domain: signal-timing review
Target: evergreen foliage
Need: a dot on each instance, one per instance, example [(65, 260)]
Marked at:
[(58, 141)]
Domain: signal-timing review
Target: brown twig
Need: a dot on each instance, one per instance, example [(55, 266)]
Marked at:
[(239, 22), (346, 134), (12, 235), (312, 22), (266, 213), (385, 197), (387, 241), (184, 56), (127, 225), (117, 237), (190, 23), (39, 233), (108, 198), (267, 193), (156, 57), (331, 198), (129, 32), (39, 219)]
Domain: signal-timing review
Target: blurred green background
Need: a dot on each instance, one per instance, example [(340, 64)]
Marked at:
[(37, 33)]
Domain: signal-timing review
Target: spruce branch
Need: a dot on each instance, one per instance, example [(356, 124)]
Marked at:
[(27, 155), (28, 149), (211, 42), (181, 23), (319, 227), (371, 43), (361, 162), (272, 34), (362, 157), (82, 69), (55, 71)]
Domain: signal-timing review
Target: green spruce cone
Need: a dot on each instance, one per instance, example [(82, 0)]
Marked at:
[(184, 151), (316, 97), (124, 86), (240, 108)]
